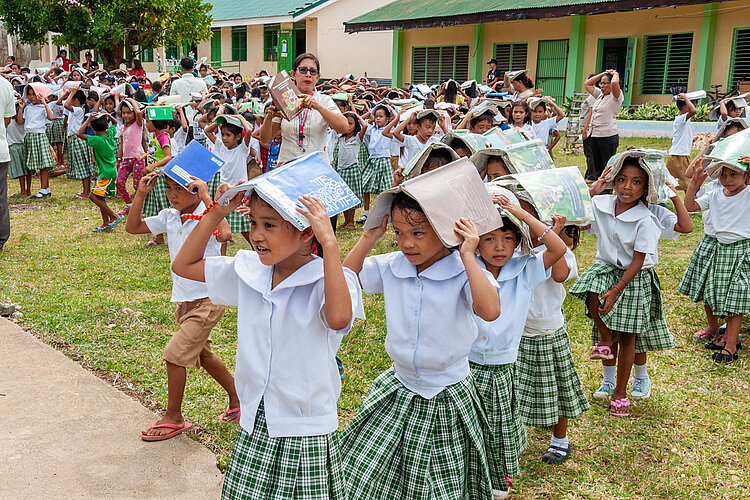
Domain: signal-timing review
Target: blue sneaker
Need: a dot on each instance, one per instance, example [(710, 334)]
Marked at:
[(605, 390), (641, 388)]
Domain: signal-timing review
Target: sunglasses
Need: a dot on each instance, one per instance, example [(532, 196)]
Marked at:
[(304, 70)]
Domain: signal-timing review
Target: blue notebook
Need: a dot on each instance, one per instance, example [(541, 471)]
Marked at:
[(194, 160), (307, 175)]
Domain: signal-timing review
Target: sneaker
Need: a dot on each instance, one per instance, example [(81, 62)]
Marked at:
[(605, 390), (641, 388), (362, 219)]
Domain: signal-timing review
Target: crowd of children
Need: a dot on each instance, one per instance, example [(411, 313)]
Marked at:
[(476, 332)]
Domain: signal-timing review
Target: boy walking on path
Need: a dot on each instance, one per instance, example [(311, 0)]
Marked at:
[(682, 141)]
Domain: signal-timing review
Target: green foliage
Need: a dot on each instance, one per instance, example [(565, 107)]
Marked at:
[(658, 112)]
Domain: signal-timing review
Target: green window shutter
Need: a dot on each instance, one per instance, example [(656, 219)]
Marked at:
[(271, 42), (739, 69), (418, 65), (172, 51), (239, 43), (216, 45), (437, 64), (461, 64), (518, 60), (511, 56), (147, 55), (665, 61)]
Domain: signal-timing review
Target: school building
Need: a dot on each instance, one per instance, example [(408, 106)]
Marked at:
[(653, 45)]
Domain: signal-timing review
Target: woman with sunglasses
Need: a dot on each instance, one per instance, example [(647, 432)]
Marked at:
[(307, 131)]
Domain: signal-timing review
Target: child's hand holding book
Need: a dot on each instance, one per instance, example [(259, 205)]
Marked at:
[(320, 222)]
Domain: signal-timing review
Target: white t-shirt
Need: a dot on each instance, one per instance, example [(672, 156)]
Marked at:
[(235, 168), (75, 120), (545, 312), (682, 141), (708, 229), (35, 118), (8, 109), (543, 129), (15, 133), (412, 146), (729, 215), (58, 110), (348, 153)]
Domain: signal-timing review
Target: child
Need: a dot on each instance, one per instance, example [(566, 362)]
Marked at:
[(682, 141), (33, 116), (491, 164), (345, 154), (130, 149), (377, 175), (495, 350), (159, 154), (178, 128), (728, 109), (520, 117), (80, 164), (196, 316), (621, 290), (56, 132), (292, 310), (17, 168), (426, 122), (234, 149), (726, 289), (103, 145), (543, 126), (418, 430), (479, 123)]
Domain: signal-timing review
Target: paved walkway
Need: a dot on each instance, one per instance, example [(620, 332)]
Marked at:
[(65, 433)]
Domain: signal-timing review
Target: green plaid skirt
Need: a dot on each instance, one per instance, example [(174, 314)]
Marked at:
[(547, 384), (504, 432), (727, 289), (238, 223), (80, 163), (402, 446), (38, 155), (300, 468), (17, 167), (638, 309), (693, 281), (377, 176), (156, 199), (363, 157), (55, 132), (352, 175)]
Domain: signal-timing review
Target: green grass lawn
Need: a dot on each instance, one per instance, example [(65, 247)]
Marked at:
[(104, 300)]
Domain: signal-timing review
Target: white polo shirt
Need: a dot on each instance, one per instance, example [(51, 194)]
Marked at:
[(285, 349), (185, 86), (545, 312), (429, 318), (378, 145), (729, 215), (235, 160), (35, 119)]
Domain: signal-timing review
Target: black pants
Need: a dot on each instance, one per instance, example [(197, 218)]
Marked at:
[(602, 149), (4, 211), (189, 136), (589, 154)]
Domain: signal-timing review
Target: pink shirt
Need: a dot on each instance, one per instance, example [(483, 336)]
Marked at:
[(132, 140)]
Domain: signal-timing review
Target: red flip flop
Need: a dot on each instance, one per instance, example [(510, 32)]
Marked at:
[(176, 429), (230, 416)]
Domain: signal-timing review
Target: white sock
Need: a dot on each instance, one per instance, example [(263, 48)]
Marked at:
[(641, 371), (367, 212), (45, 190), (559, 442), (609, 373)]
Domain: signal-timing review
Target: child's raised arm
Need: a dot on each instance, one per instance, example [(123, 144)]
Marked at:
[(398, 134), (689, 104), (485, 297), (183, 120), (248, 129), (558, 110), (81, 132), (199, 186), (696, 181), (137, 111), (338, 302), (387, 130), (135, 224), (684, 224), (356, 258), (209, 132)]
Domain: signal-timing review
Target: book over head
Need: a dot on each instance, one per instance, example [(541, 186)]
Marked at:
[(462, 138), (493, 188), (526, 156), (285, 95), (727, 152), (196, 161), (307, 175), (498, 137), (445, 194), (415, 165), (159, 112), (653, 162)]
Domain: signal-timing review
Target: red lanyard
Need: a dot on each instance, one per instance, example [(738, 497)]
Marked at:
[(302, 119)]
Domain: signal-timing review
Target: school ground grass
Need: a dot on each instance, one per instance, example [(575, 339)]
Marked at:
[(103, 299)]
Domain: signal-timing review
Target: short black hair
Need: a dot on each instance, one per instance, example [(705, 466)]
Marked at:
[(232, 128), (353, 116), (100, 124), (80, 96), (509, 226), (681, 104), (486, 116), (437, 158), (187, 63), (430, 118), (156, 86), (93, 95), (406, 204), (161, 124)]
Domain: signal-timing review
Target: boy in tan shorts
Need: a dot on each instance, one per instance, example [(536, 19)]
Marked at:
[(196, 315)]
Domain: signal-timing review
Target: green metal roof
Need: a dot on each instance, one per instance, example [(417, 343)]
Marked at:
[(226, 10), (405, 14)]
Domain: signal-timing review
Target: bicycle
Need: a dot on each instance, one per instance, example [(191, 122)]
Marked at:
[(716, 95)]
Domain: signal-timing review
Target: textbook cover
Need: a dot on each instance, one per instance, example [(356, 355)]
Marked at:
[(463, 138), (307, 175), (194, 160), (726, 153), (655, 161), (498, 137), (159, 112), (285, 95), (527, 156), (560, 191), (414, 167), (493, 188), (445, 194)]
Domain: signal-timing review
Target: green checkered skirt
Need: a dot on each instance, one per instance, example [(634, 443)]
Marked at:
[(727, 289), (504, 432), (38, 155), (638, 309), (547, 384), (377, 176), (402, 446), (352, 175), (55, 132), (156, 199), (693, 281), (300, 467), (17, 167), (363, 157), (80, 163), (238, 223)]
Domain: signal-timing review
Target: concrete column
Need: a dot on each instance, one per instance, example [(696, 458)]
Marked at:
[(477, 55), (397, 64), (706, 47), (576, 48)]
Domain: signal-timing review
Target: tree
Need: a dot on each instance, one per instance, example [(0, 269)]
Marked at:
[(112, 27)]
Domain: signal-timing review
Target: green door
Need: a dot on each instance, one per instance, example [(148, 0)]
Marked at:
[(285, 50), (626, 78), (551, 66)]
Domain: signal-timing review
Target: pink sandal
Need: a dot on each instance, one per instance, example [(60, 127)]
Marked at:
[(703, 334), (620, 408), (601, 352), (230, 416)]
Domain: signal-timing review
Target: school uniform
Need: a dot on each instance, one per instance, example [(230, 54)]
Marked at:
[(727, 291), (345, 160), (638, 309), (54, 129), (419, 428), (156, 199), (233, 171), (679, 153), (492, 357), (15, 134), (412, 146), (80, 163), (547, 386), (693, 282), (196, 315), (286, 379), (543, 129), (37, 153), (377, 175)]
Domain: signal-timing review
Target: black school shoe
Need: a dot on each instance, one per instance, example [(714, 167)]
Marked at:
[(713, 346), (724, 356), (556, 455)]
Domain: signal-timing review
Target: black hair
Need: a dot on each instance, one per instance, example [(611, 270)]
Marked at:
[(307, 55), (25, 69), (187, 63), (632, 161), (408, 206), (232, 128), (733, 126), (523, 78), (93, 95), (508, 225), (156, 86), (175, 122), (140, 96), (437, 158), (429, 118), (357, 125), (451, 91), (574, 233), (100, 124), (526, 108), (80, 96), (387, 112), (486, 116), (730, 106), (161, 124), (255, 92), (248, 116), (472, 91)]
